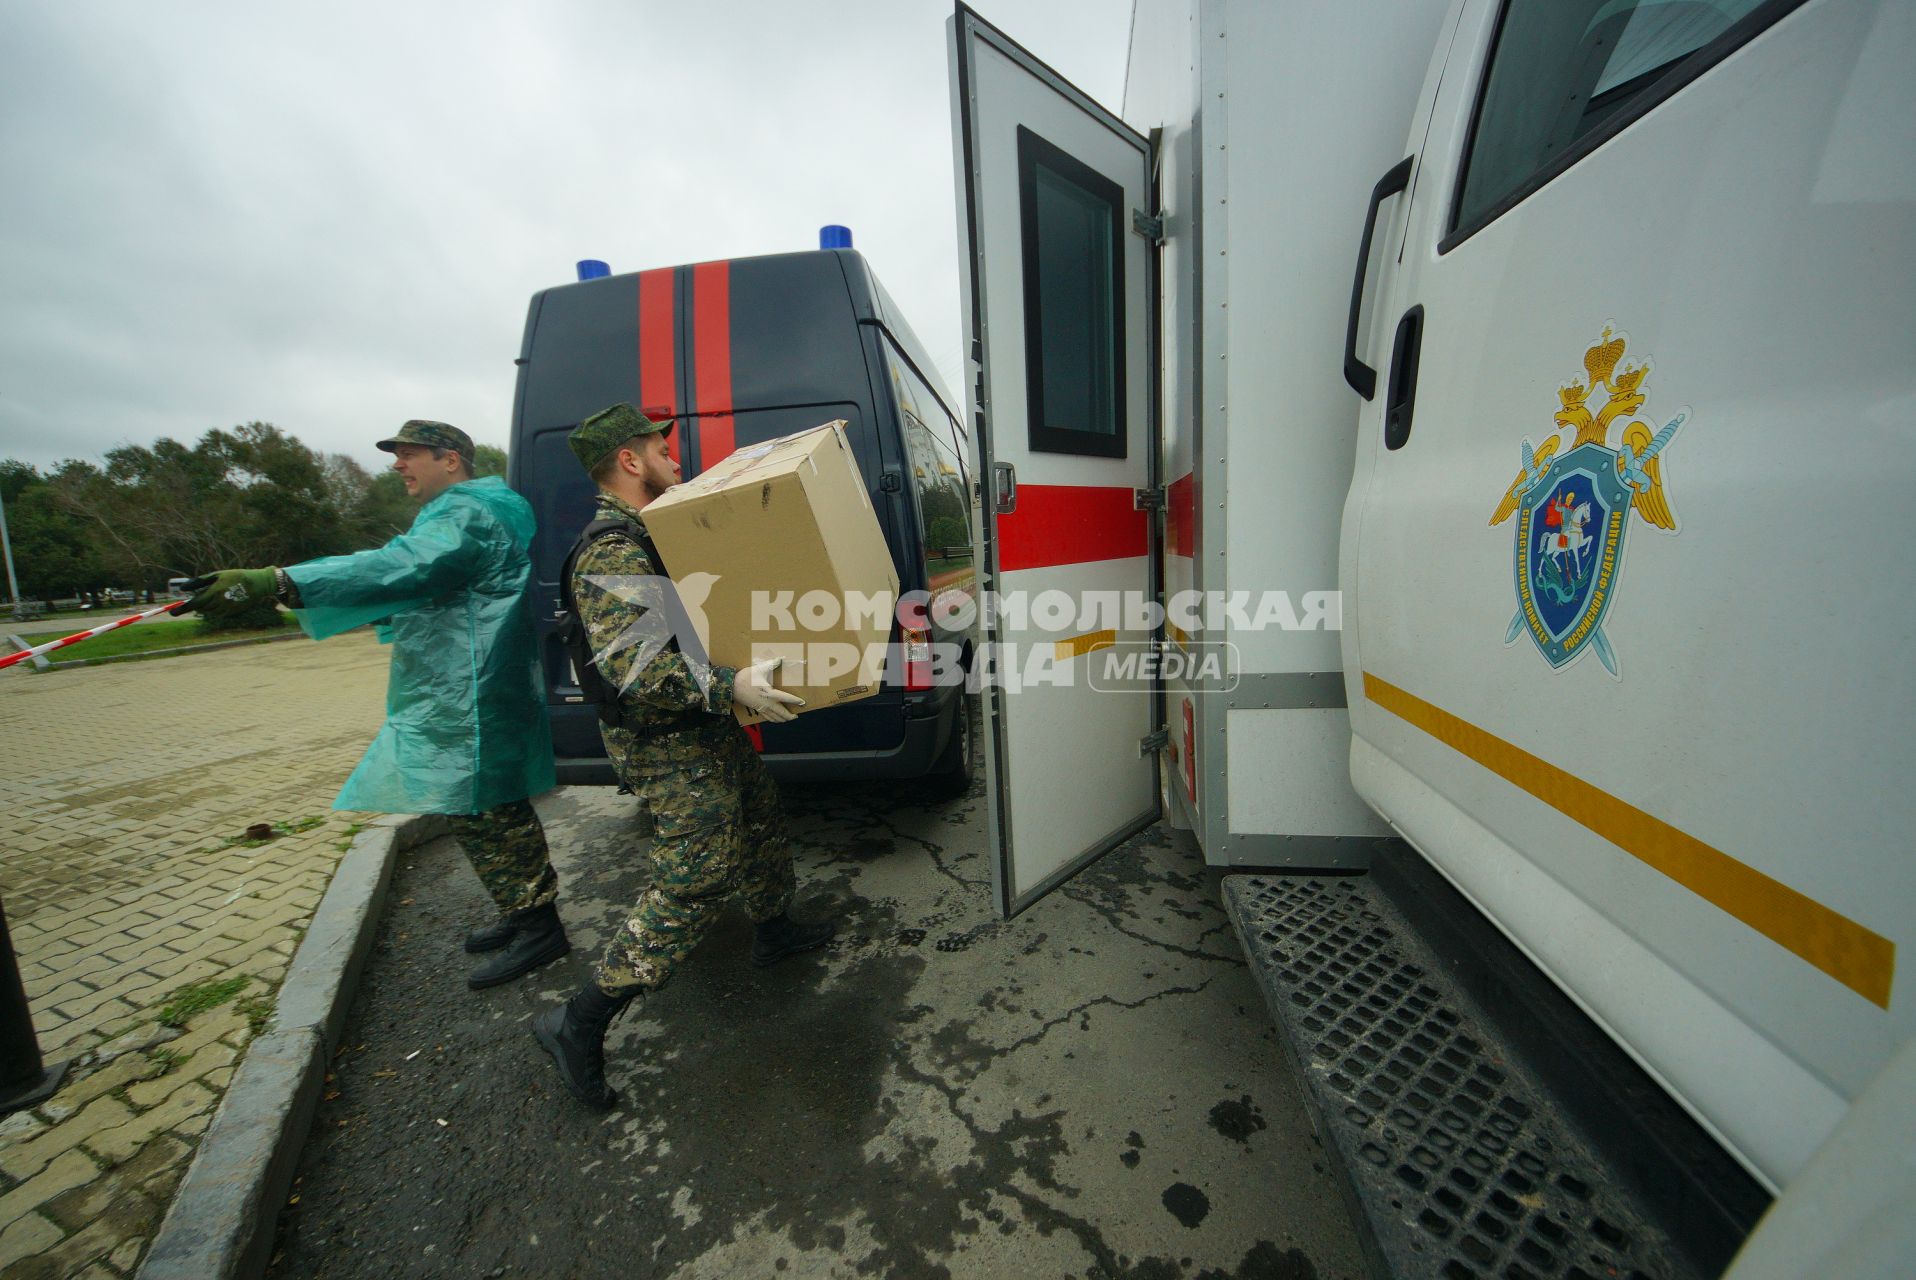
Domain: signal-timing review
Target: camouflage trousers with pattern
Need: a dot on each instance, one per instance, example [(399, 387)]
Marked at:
[(718, 832), (507, 847)]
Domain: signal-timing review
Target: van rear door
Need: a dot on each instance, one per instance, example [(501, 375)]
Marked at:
[(1623, 658), (1060, 330)]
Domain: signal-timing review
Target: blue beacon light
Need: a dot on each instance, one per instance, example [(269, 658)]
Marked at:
[(834, 237), (593, 269)]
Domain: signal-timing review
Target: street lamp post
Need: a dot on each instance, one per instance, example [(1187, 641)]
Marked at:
[(6, 545)]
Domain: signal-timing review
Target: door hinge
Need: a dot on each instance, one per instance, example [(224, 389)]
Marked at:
[(1156, 740), (1151, 228), (1147, 499)]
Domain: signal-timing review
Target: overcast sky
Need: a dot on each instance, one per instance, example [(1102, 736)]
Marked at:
[(331, 216)]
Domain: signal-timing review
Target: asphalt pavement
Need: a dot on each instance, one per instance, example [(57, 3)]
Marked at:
[(1093, 1089)]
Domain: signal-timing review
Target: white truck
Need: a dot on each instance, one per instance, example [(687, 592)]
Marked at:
[(1508, 404)]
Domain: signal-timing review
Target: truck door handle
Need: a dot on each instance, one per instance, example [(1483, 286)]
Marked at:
[(1362, 377), (1004, 488), (1401, 398)]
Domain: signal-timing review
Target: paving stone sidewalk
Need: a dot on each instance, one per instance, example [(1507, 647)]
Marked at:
[(128, 888)]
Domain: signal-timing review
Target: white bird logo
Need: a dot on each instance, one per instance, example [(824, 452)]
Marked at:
[(668, 612)]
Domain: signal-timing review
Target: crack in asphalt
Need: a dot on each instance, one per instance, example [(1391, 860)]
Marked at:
[(1046, 1028), (857, 814), (1110, 917)]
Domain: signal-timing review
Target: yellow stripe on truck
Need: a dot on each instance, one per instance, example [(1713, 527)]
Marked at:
[(1860, 959), (1078, 646)]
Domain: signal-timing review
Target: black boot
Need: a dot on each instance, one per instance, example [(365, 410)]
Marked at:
[(538, 938), (783, 936), (490, 937), (574, 1034)]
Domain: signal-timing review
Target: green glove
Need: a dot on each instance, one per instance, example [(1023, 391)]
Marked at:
[(229, 590)]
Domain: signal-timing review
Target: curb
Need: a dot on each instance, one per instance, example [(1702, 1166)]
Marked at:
[(220, 1224)]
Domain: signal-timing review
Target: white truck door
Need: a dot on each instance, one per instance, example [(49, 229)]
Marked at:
[(1059, 324), (1620, 659)]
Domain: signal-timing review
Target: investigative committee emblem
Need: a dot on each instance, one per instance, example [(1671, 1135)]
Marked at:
[(1573, 503)]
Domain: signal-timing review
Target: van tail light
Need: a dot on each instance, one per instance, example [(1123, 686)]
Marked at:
[(917, 646)]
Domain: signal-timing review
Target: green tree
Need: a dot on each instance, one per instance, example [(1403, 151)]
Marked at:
[(283, 509), (51, 553), (240, 497), (386, 510), (488, 460), (17, 477)]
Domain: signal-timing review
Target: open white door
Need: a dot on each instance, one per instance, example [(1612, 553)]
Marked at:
[(1060, 328)]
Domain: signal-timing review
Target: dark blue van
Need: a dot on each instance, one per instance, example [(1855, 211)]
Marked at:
[(741, 351)]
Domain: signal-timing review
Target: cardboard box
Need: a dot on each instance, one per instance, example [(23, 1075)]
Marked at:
[(800, 567)]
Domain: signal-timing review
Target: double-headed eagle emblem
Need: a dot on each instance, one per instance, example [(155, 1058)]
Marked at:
[(1573, 505)]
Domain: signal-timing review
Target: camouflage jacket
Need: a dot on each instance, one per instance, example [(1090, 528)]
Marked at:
[(664, 688)]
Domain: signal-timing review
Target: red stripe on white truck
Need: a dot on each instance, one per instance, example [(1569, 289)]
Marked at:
[(1055, 524)]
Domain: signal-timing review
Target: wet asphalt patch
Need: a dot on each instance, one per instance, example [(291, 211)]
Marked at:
[(1090, 1090)]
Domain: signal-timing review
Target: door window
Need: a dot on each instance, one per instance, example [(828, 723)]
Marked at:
[(1560, 70), (1071, 223), (938, 475)]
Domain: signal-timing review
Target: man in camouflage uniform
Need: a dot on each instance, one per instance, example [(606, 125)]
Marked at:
[(680, 750), (466, 733)]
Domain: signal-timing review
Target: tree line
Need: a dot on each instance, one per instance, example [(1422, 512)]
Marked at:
[(244, 497)]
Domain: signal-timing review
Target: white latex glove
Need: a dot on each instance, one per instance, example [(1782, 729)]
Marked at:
[(752, 689)]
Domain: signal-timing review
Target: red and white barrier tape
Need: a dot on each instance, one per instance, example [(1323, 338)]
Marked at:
[(102, 629)]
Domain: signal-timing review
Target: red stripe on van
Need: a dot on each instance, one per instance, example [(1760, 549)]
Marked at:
[(1057, 524), (712, 357), (658, 380)]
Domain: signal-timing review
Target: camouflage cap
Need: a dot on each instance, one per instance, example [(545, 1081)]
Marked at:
[(594, 439), (432, 435)]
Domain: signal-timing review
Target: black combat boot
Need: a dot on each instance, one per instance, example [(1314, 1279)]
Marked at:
[(781, 936), (490, 937), (574, 1034), (538, 938)]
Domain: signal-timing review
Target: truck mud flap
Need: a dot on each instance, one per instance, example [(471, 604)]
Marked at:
[(1459, 1160)]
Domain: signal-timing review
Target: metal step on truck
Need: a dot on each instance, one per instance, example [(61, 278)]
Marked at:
[(1448, 456)]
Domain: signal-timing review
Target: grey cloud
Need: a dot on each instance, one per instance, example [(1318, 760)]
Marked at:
[(331, 216)]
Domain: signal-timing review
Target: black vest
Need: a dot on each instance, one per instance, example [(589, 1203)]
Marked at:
[(572, 633)]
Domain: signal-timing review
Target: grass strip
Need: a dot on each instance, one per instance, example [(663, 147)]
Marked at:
[(198, 997), (143, 637)]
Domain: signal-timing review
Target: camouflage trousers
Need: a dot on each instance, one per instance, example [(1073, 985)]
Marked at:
[(507, 847), (718, 832)]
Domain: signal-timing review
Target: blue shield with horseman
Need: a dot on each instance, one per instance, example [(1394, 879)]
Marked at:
[(1573, 507), (1570, 529)]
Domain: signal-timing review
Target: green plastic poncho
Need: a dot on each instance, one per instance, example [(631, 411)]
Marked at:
[(465, 705)]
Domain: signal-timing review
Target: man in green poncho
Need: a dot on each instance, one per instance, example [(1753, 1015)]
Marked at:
[(466, 732)]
